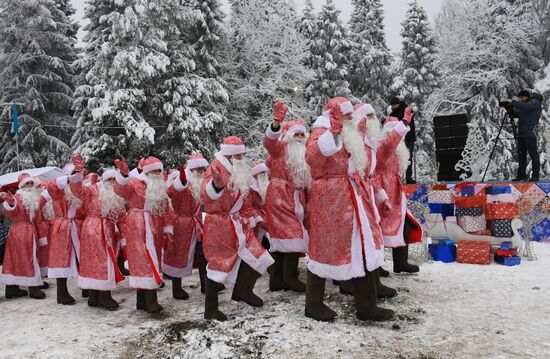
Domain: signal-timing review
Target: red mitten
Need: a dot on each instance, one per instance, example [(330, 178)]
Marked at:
[(409, 113), (183, 176), (78, 163), (336, 120), (94, 178), (217, 178), (122, 166), (8, 197), (279, 110)]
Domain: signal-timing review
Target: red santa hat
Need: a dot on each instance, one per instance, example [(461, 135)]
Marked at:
[(345, 105), (295, 126), (361, 110), (232, 145), (23, 179), (151, 164), (196, 161), (108, 174), (258, 167)]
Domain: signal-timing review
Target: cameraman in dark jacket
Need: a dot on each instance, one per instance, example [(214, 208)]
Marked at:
[(528, 111), (398, 110)]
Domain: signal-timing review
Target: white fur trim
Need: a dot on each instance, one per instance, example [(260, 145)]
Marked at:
[(363, 110), (273, 135), (261, 168), (401, 129), (46, 195), (68, 169), (100, 284), (155, 166), (322, 121), (121, 180), (231, 150), (211, 192), (397, 240), (187, 270), (133, 173), (196, 163), (108, 174), (62, 182), (287, 245), (7, 206), (260, 264), (143, 283), (329, 144), (297, 129), (43, 241), (77, 177), (34, 281), (224, 277), (381, 196), (346, 108), (168, 229), (327, 271), (178, 186), (27, 180)]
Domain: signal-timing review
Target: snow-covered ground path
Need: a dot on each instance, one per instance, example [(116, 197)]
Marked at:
[(448, 310)]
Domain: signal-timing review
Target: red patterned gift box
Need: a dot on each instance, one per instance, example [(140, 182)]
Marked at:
[(501, 211), (470, 202), (473, 252)]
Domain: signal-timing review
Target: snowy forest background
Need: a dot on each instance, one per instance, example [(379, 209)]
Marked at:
[(170, 77)]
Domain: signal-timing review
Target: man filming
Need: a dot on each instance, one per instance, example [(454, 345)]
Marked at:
[(528, 111)]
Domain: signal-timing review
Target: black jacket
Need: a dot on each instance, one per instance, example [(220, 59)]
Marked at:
[(528, 114), (410, 138)]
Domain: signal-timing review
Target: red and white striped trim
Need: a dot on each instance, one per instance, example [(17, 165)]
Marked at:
[(231, 150)]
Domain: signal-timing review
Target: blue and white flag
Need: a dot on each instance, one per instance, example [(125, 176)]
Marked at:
[(15, 126)]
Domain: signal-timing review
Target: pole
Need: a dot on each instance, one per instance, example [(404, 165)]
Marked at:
[(494, 147), (17, 151)]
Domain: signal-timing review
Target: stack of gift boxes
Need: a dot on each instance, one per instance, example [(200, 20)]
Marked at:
[(507, 255), (501, 209), (470, 209), (440, 200)]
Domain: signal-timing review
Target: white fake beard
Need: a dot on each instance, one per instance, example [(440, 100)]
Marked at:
[(263, 182), (111, 204), (354, 144), (241, 178), (374, 131), (69, 196), (30, 198), (156, 194), (195, 183), (295, 161), (401, 152), (48, 212)]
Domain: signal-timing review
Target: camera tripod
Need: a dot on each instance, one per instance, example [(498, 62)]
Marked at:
[(514, 132)]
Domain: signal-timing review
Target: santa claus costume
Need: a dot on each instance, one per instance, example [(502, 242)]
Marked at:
[(342, 244), (184, 191), (399, 226), (145, 224), (64, 242), (98, 271), (20, 266), (286, 198), (43, 229), (254, 204), (233, 252)]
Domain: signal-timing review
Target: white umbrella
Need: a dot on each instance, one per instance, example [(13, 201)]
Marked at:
[(44, 173)]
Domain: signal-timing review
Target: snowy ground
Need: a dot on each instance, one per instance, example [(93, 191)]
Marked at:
[(448, 310)]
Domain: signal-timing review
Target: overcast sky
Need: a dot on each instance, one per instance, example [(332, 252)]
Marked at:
[(394, 14)]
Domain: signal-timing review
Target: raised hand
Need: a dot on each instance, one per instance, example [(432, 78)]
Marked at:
[(8, 197), (94, 178), (122, 166), (78, 162), (409, 113), (183, 175), (217, 178), (279, 111), (336, 120)]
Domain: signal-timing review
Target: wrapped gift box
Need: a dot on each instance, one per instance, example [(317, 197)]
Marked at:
[(472, 224), (443, 253), (506, 245), (500, 210), (473, 252), (445, 209), (466, 188), (498, 190), (507, 260), (446, 242), (504, 198), (473, 211), (440, 196), (501, 228), (485, 232), (470, 202), (507, 252)]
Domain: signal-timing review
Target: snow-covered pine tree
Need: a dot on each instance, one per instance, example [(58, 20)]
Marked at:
[(264, 62), (370, 76), (308, 21), (37, 49), (483, 58), (329, 58)]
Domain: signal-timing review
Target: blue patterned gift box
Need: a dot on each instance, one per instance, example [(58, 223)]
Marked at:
[(446, 209), (494, 190)]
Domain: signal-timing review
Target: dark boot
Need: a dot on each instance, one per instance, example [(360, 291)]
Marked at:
[(243, 291), (383, 291), (202, 273), (140, 299), (151, 302), (63, 296), (121, 268), (290, 273), (315, 292), (365, 299), (276, 282), (383, 273), (211, 310), (177, 291), (93, 298), (13, 291), (36, 293), (46, 285), (346, 288), (107, 301), (85, 293), (401, 261)]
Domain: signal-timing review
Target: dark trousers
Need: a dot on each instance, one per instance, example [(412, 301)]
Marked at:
[(528, 145), (409, 176)]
